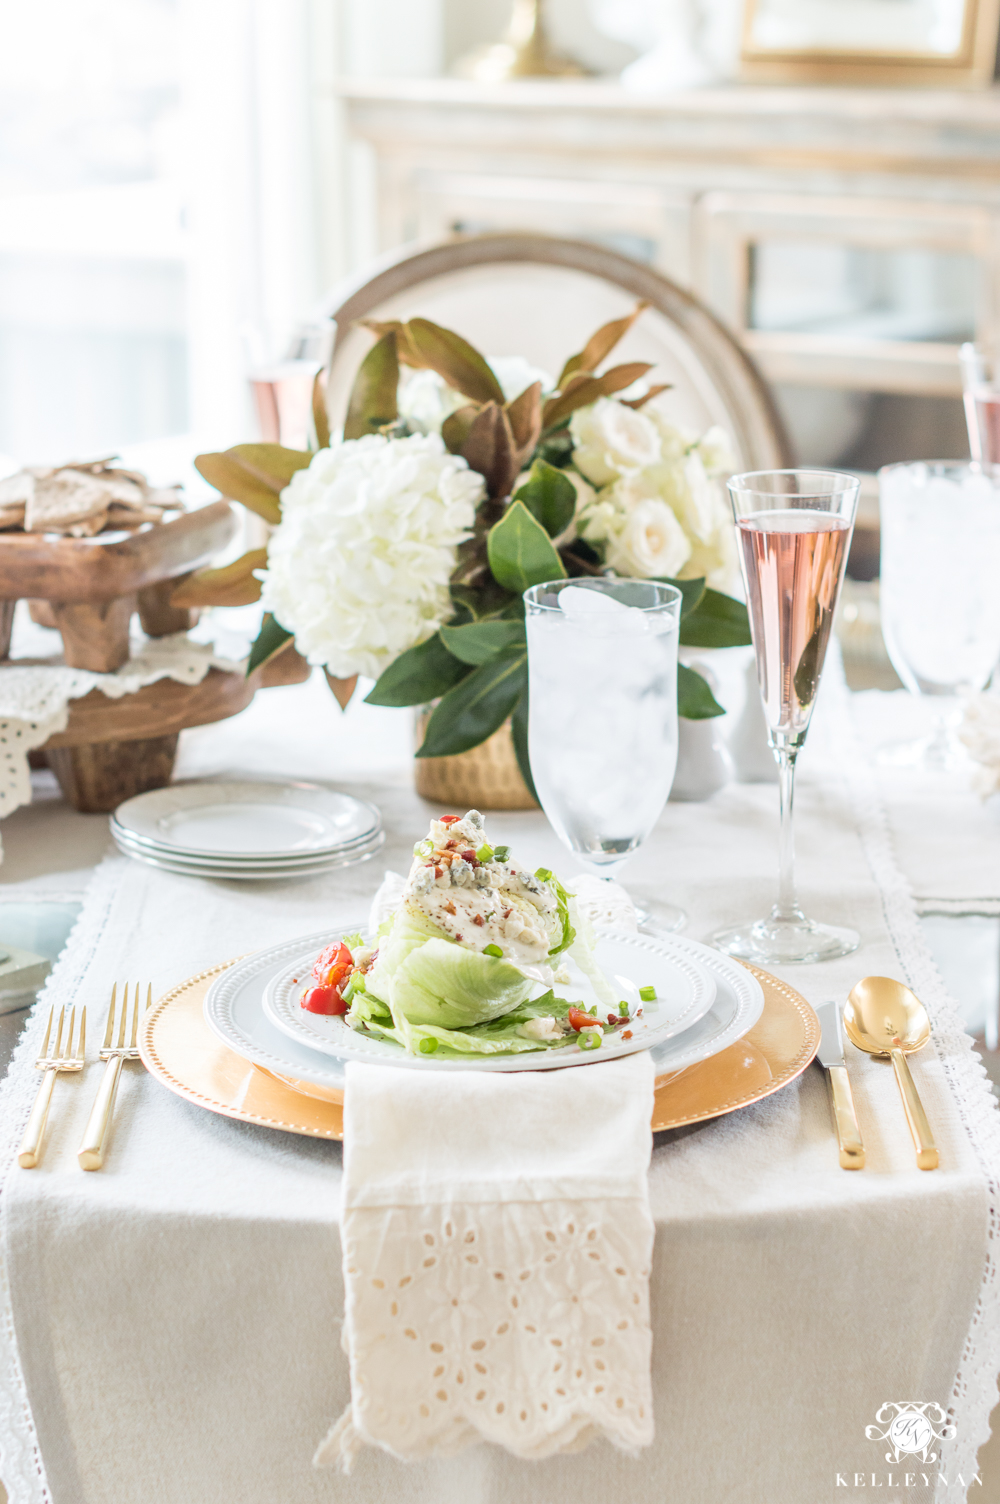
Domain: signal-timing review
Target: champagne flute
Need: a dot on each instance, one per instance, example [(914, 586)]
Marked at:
[(602, 721), (794, 529), (981, 397)]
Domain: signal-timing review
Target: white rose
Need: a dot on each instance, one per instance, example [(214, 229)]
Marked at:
[(652, 542), (515, 375), (425, 400), (358, 568), (716, 450), (612, 440)]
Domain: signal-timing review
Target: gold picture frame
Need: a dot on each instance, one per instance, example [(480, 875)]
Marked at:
[(971, 63)]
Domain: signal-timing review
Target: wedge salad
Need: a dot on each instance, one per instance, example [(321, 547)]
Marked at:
[(470, 961)]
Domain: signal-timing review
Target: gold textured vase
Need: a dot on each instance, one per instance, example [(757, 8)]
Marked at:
[(487, 777)]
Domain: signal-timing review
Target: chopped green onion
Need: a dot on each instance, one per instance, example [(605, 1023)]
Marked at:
[(590, 1039), (544, 874), (349, 990), (593, 1011), (484, 853), (623, 1009), (501, 853), (492, 950), (647, 994), (428, 1046)]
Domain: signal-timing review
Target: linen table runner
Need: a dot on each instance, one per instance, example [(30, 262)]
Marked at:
[(497, 1240)]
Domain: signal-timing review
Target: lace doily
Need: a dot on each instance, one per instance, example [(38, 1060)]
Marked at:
[(34, 698)]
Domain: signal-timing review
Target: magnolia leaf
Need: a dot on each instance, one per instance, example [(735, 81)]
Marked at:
[(373, 395), (600, 344), (479, 641), (582, 392), (520, 551), (455, 360), (253, 474), (477, 706), (636, 402), (718, 621), (519, 735), (272, 639), (489, 448), (232, 585), (549, 496), (525, 417), (695, 701), (691, 591), (321, 418), (406, 351), (418, 675), (342, 689), (457, 426)]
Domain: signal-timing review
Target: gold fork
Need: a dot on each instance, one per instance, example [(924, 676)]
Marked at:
[(91, 1150), (62, 1058)]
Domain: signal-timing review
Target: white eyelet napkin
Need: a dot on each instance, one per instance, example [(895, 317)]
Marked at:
[(497, 1240)]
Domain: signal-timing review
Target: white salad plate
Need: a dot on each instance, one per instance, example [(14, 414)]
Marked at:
[(261, 872), (684, 993), (234, 1011), (235, 822)]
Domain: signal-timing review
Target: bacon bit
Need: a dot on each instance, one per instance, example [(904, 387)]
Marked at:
[(438, 872), (507, 913), (477, 919), (612, 1021), (458, 937), (470, 857), (627, 1034), (449, 907), (449, 819)]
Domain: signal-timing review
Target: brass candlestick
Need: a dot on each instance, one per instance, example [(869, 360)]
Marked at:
[(525, 52)]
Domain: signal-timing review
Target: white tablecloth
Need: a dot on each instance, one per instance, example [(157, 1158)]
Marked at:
[(177, 1315)]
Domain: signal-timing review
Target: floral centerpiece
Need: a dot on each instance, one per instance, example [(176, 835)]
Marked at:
[(402, 550)]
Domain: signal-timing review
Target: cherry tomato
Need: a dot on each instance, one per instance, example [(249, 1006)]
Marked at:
[(581, 1020), (324, 1000), (332, 965)]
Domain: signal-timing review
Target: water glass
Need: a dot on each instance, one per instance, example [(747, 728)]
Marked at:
[(602, 723), (939, 594)]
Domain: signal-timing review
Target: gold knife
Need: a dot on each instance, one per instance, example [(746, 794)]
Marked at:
[(830, 1056)]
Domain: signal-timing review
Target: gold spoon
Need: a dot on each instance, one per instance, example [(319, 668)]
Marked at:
[(882, 1017)]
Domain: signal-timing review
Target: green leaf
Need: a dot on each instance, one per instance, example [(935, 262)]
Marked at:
[(519, 732), (482, 640), (455, 359), (691, 593), (549, 496), (271, 640), (718, 621), (321, 418), (695, 701), (476, 707), (520, 551), (581, 391), (254, 475), (373, 395), (418, 675)]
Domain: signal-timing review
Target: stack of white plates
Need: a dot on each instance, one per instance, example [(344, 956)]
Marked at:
[(248, 831)]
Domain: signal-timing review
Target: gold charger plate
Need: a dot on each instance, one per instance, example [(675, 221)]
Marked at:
[(179, 1049)]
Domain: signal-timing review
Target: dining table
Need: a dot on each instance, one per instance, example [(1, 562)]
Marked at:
[(170, 1327)]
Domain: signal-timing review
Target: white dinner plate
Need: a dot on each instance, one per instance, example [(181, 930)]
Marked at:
[(234, 1012), (234, 873), (685, 991), (143, 849), (239, 821)]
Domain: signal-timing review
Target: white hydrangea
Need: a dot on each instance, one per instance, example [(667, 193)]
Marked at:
[(359, 566)]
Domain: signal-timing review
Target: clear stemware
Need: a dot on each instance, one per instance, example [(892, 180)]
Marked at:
[(981, 394), (794, 529), (602, 721), (938, 596)]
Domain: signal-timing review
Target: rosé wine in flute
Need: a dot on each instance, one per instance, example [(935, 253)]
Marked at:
[(794, 529), (982, 417), (793, 564)]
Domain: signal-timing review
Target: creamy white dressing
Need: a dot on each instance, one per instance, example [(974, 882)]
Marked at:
[(482, 902)]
